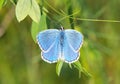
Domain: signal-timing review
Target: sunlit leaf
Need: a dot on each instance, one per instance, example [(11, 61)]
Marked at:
[(22, 9), (34, 12), (2, 2), (59, 67)]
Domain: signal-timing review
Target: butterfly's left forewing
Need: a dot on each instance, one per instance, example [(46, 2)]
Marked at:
[(72, 43)]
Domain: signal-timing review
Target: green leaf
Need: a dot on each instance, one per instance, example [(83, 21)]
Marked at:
[(43, 24), (34, 12), (36, 28), (22, 9), (70, 65), (14, 1), (59, 67), (81, 69), (86, 72), (2, 3), (78, 66)]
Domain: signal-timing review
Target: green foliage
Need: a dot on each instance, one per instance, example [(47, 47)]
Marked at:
[(20, 61), (81, 69), (14, 1), (34, 11), (22, 9), (75, 64), (59, 67), (2, 2), (37, 27), (27, 7)]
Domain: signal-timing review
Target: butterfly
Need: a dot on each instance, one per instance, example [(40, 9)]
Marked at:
[(60, 45)]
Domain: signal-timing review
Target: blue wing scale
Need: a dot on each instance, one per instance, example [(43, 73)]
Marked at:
[(72, 43), (48, 42), (64, 45)]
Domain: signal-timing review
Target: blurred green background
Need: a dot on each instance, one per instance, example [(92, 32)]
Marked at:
[(20, 61)]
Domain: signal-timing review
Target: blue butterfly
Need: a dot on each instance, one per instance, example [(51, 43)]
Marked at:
[(60, 45)]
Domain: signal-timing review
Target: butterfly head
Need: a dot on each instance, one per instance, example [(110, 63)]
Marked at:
[(61, 28)]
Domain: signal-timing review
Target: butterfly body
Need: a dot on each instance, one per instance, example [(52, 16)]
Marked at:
[(60, 45)]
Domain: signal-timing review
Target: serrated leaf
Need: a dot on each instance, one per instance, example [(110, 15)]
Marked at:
[(22, 9), (34, 12), (36, 28), (59, 67)]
